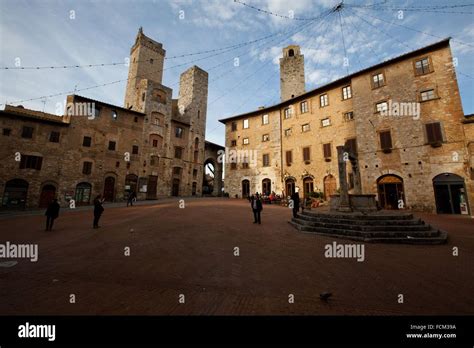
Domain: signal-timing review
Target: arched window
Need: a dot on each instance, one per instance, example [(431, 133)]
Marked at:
[(83, 193), (291, 53), (15, 194)]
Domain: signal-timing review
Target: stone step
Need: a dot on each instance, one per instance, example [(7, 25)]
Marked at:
[(375, 226), (359, 216), (324, 218), (431, 237)]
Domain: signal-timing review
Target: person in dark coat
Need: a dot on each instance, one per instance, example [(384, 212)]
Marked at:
[(52, 212), (131, 197), (257, 207), (98, 210), (295, 197)]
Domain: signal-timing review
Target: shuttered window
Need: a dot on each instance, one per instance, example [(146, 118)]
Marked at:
[(327, 150), (385, 140), (289, 158), (433, 132), (306, 154)]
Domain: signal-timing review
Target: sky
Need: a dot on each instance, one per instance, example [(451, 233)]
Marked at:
[(243, 76)]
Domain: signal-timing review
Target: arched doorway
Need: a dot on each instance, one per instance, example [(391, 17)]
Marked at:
[(83, 193), (308, 186), (175, 188), (330, 186), (245, 188), (15, 194), (48, 193), (109, 189), (450, 194), (289, 186), (390, 191), (266, 187), (208, 182)]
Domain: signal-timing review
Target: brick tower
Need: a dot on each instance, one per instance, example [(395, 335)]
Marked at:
[(292, 82)]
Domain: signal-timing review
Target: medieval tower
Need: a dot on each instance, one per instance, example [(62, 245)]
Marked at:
[(292, 81), (174, 128)]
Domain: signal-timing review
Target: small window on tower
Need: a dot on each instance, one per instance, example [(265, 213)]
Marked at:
[(151, 61), (291, 53)]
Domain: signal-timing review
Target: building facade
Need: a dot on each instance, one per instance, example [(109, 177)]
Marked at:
[(403, 119), (154, 146)]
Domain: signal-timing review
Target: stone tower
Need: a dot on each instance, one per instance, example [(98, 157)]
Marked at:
[(146, 62), (292, 82)]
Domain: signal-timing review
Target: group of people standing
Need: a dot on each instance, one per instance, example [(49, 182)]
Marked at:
[(52, 212), (257, 206)]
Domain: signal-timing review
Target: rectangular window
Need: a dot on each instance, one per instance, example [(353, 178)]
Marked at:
[(27, 132), (323, 100), (346, 92), (31, 162), (327, 150), (233, 165), (348, 116), (233, 143), (433, 133), (178, 152), (385, 140), (265, 119), (87, 141), (96, 111), (378, 80), (266, 137), (176, 170), (289, 158), (195, 173), (54, 137), (156, 121), (325, 122), (7, 132), (287, 112), (288, 132), (306, 154), (305, 127), (155, 142), (87, 168), (304, 107), (246, 123), (422, 66), (245, 163), (351, 145), (427, 95), (266, 160), (381, 107), (178, 132), (112, 145), (233, 126), (245, 141), (135, 150)]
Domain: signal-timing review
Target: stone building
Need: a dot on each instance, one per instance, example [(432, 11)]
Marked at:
[(403, 119), (154, 146)]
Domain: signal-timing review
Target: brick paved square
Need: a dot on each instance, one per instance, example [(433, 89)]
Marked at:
[(190, 251)]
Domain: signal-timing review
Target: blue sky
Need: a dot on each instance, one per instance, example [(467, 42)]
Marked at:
[(42, 33)]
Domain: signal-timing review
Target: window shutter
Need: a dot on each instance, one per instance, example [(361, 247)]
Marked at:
[(385, 140), (306, 154), (433, 132), (327, 150), (288, 157)]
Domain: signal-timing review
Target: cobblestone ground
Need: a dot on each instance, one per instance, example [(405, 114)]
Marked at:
[(191, 251)]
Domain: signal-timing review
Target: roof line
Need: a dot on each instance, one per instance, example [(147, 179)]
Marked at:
[(339, 80)]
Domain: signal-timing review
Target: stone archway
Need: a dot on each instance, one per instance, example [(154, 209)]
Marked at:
[(208, 178), (48, 193), (330, 186), (390, 191), (15, 194), (212, 154)]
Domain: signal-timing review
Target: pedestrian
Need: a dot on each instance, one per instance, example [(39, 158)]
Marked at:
[(131, 198), (98, 210), (52, 212), (257, 207), (295, 197)]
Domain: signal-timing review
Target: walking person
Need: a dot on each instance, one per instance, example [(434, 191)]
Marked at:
[(131, 198), (98, 210), (295, 197), (256, 204), (52, 212)]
